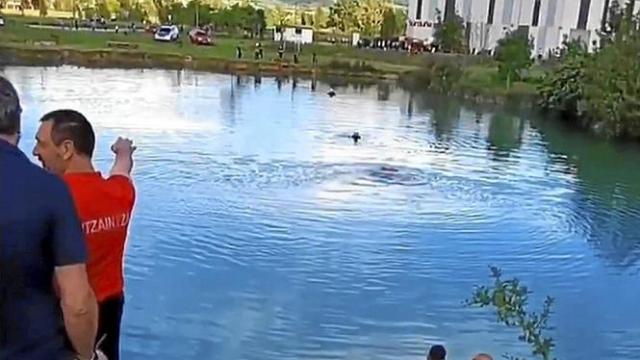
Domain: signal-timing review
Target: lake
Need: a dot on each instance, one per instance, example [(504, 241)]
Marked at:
[(262, 232)]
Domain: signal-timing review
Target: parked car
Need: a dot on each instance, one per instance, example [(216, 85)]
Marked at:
[(200, 37), (167, 33), (1, 21), (151, 28)]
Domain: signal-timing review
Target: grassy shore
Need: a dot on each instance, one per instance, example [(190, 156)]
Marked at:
[(22, 44), (18, 34)]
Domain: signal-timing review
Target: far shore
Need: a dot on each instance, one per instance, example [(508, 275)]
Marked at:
[(28, 41), (20, 55)]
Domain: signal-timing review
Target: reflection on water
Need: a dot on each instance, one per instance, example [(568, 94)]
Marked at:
[(263, 232), (608, 178), (505, 135)]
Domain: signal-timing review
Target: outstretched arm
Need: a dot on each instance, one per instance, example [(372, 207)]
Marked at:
[(123, 163)]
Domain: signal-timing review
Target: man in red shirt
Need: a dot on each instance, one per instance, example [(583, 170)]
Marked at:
[(64, 144)]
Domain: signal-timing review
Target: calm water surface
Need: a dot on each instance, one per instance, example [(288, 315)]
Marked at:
[(262, 232)]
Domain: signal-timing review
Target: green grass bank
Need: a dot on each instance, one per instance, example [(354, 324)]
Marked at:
[(472, 77)]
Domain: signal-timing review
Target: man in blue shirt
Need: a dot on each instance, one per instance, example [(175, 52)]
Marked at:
[(47, 308)]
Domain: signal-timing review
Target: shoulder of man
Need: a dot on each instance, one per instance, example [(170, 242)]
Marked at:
[(123, 187), (39, 189), (47, 183)]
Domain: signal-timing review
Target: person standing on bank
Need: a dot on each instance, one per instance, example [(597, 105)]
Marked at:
[(40, 240), (64, 144)]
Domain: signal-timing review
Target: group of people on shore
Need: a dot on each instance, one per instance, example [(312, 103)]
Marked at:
[(438, 352), (63, 229)]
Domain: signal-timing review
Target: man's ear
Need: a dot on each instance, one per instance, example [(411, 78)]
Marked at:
[(67, 149)]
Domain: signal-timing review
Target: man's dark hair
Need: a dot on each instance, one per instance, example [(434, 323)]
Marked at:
[(437, 352), (72, 125), (10, 109)]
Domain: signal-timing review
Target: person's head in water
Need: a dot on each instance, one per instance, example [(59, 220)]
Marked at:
[(10, 112), (482, 356), (65, 141), (356, 137), (437, 352)]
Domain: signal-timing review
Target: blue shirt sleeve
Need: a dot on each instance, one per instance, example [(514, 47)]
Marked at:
[(69, 247)]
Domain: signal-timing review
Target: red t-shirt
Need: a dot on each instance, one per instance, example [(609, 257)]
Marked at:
[(104, 207)]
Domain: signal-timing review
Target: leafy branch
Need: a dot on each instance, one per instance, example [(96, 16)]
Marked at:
[(510, 299)]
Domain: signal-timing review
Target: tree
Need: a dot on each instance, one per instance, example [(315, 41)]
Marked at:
[(138, 12), (562, 89), (24, 4), (215, 4), (449, 34), (43, 8), (143, 10), (513, 54), (371, 15), (611, 96), (510, 299), (162, 10), (196, 13), (238, 18), (105, 8), (365, 16), (260, 22), (80, 8), (63, 5), (401, 21), (320, 18), (601, 91), (389, 27), (342, 15), (611, 22), (279, 16), (126, 6)]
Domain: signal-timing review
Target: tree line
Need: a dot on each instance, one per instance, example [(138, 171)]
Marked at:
[(372, 18), (601, 90), (598, 89)]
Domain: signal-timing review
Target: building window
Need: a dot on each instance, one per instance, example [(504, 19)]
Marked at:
[(419, 10), (583, 16), (492, 10), (536, 13)]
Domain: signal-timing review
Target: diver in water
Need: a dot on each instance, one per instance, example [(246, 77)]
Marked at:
[(356, 137)]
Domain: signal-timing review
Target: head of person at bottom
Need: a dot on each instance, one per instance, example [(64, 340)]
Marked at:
[(10, 112), (65, 142), (437, 352), (482, 356)]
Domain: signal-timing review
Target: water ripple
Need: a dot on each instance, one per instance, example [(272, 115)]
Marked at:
[(262, 232)]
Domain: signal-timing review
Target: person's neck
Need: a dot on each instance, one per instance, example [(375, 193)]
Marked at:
[(81, 165), (11, 139)]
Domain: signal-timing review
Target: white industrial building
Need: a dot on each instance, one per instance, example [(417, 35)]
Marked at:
[(294, 34), (548, 22)]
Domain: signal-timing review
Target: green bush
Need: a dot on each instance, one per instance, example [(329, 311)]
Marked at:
[(563, 87)]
